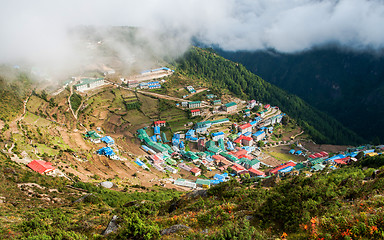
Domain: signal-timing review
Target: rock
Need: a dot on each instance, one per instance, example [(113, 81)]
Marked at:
[(106, 184), (197, 193), (131, 203), (112, 226), (174, 228), (82, 198)]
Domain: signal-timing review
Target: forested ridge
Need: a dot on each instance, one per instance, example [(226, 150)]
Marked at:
[(348, 85), (205, 64)]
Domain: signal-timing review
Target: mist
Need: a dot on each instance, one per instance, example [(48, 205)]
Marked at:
[(41, 32)]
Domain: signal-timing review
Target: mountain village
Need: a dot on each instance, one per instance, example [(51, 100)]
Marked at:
[(218, 145)]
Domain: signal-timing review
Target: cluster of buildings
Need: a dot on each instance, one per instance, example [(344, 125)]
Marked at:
[(233, 151), (319, 161), (107, 151)]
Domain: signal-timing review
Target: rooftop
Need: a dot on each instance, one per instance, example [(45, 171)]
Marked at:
[(230, 104)]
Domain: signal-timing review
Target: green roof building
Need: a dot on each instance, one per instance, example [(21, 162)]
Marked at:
[(203, 182), (214, 149), (318, 167), (316, 161), (216, 102), (219, 121), (88, 83), (230, 107), (195, 104)]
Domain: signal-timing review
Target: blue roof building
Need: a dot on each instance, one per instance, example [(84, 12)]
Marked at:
[(107, 151), (108, 140), (157, 130)]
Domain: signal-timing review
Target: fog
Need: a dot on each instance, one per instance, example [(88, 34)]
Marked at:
[(41, 32)]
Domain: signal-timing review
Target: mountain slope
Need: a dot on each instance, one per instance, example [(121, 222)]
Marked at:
[(13, 90), (227, 74), (347, 85)]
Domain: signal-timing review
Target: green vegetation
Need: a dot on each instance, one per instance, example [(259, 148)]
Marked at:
[(13, 91), (75, 101), (282, 157), (132, 105), (118, 199), (223, 73), (329, 204)]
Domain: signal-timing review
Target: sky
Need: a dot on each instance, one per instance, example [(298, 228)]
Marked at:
[(37, 30)]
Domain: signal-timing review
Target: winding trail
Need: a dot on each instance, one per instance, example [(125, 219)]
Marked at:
[(69, 102)]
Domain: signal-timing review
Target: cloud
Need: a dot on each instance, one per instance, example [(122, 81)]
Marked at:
[(38, 31)]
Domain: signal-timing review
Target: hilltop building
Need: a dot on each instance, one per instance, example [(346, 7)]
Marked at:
[(87, 84)]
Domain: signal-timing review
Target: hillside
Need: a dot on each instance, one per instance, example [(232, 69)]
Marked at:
[(344, 203), (347, 85), (223, 73), (146, 201), (14, 87)]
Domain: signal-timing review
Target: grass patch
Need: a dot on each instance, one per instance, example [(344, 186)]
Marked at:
[(59, 142), (75, 101), (282, 156), (33, 119), (41, 148), (135, 117), (150, 106), (35, 103)]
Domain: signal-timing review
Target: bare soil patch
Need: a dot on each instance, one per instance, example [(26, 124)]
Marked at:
[(324, 147)]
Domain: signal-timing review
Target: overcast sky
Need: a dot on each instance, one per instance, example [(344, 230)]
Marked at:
[(37, 29)]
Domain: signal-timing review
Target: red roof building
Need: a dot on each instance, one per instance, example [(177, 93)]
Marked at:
[(239, 169), (195, 112), (196, 171), (159, 123), (239, 153), (245, 128), (254, 172), (324, 154), (222, 161), (288, 164), (268, 106), (340, 161), (41, 166), (246, 141), (319, 155)]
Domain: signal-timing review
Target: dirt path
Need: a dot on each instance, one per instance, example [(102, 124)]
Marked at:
[(163, 96), (69, 101)]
